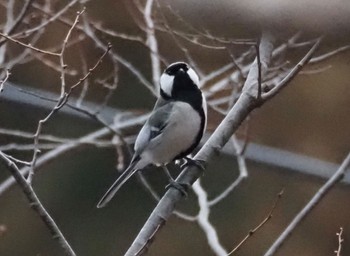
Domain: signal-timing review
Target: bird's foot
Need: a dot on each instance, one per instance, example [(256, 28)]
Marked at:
[(182, 187), (195, 162)]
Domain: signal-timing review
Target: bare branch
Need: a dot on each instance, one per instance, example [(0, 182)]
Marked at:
[(2, 82), (340, 242), (203, 220), (19, 18), (152, 42), (243, 173), (53, 154), (36, 204), (329, 54), (323, 191), (259, 70), (293, 72), (15, 159), (61, 101), (265, 220), (64, 46), (52, 19), (91, 70), (30, 46), (91, 34)]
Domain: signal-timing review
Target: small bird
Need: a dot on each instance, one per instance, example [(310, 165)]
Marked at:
[(174, 127)]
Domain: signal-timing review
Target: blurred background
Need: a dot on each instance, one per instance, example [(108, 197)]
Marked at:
[(309, 118)]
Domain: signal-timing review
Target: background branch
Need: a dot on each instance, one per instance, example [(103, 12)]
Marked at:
[(338, 175), (36, 204)]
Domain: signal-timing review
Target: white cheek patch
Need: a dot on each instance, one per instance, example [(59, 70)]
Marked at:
[(166, 83), (193, 76)]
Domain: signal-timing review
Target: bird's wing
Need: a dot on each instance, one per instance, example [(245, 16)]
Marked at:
[(154, 125), (152, 128)]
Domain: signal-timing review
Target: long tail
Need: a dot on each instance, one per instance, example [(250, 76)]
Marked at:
[(117, 185)]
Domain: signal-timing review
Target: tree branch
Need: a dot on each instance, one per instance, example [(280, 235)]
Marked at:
[(340, 241), (294, 71), (338, 175), (36, 204), (2, 82), (260, 225), (203, 220), (29, 46)]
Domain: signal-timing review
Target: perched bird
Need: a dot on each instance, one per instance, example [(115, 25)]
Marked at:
[(174, 128)]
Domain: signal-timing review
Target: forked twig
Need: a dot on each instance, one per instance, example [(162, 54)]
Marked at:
[(253, 231), (340, 241)]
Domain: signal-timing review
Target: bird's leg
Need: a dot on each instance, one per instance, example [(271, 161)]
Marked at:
[(182, 187), (189, 161)]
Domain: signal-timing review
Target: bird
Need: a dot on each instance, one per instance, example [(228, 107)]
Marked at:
[(174, 127)]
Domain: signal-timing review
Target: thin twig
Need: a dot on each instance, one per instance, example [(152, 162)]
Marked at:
[(91, 34), (51, 64), (18, 20), (29, 46), (243, 173), (61, 101), (16, 160), (340, 242), (152, 43), (64, 46), (57, 15), (85, 86), (293, 72), (254, 230), (91, 70), (329, 54), (36, 204), (259, 70), (2, 82), (337, 176), (55, 153)]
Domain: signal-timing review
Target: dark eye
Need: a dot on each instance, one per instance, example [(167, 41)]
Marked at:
[(168, 72)]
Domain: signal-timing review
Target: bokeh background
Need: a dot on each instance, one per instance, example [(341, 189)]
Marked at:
[(310, 117)]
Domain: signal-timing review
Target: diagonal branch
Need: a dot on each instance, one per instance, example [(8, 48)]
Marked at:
[(294, 71), (338, 175), (261, 224), (29, 46), (36, 204)]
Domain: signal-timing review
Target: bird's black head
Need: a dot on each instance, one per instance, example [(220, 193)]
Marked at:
[(179, 82), (176, 67)]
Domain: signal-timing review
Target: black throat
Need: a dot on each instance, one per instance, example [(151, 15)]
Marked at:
[(185, 90)]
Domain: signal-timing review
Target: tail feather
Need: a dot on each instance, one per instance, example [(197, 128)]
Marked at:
[(124, 177)]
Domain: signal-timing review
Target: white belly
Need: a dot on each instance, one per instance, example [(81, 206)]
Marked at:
[(177, 137)]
